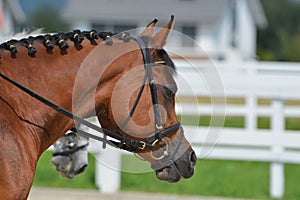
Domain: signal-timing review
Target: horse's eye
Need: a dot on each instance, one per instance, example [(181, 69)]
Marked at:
[(172, 88), (71, 145), (167, 93)]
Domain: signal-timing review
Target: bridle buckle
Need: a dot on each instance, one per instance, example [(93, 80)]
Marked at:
[(143, 145)]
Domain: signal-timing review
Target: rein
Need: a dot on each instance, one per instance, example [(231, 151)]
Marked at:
[(123, 142)]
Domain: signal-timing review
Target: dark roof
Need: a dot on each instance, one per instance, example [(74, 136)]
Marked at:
[(192, 11), (145, 10)]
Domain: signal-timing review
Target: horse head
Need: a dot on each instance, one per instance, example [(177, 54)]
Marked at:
[(141, 107)]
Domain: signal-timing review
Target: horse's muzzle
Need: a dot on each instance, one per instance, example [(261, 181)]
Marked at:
[(183, 167)]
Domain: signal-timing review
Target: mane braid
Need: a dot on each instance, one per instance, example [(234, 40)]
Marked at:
[(60, 39)]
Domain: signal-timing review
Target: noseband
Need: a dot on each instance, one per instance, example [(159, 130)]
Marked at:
[(69, 148), (123, 142)]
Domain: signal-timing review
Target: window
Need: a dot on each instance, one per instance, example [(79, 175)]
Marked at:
[(114, 28), (98, 27), (120, 28), (189, 31)]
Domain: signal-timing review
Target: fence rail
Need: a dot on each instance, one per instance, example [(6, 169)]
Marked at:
[(250, 81)]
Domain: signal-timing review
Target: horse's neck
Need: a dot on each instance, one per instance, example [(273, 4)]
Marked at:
[(51, 76), (72, 81)]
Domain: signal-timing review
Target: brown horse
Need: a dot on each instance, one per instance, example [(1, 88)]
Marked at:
[(89, 73)]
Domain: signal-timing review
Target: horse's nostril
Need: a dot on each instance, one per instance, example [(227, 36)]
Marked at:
[(81, 169), (193, 159)]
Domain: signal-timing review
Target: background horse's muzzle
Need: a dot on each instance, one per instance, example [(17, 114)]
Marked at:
[(70, 156), (71, 165)]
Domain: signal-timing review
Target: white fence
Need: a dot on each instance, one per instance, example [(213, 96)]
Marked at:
[(249, 81)]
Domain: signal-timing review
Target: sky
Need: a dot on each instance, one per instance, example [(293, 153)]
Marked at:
[(29, 6)]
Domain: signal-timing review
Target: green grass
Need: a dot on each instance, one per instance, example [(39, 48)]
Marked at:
[(263, 122), (292, 123), (241, 179), (212, 178), (204, 120), (292, 174), (236, 122), (47, 176)]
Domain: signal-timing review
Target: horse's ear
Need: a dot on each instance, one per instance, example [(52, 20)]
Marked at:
[(160, 38), (149, 29)]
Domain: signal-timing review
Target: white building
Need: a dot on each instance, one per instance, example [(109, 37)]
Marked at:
[(11, 14), (225, 29)]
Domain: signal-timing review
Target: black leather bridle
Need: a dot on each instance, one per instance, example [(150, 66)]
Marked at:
[(71, 146), (123, 142)]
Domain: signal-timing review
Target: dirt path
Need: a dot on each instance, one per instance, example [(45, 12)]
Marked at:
[(68, 194)]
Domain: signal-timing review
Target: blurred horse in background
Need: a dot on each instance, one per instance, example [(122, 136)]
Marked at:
[(70, 156)]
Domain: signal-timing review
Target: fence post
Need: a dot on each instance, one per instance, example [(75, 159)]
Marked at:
[(251, 117), (108, 163), (277, 168), (108, 167)]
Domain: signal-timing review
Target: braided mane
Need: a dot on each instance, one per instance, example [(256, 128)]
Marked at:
[(59, 39)]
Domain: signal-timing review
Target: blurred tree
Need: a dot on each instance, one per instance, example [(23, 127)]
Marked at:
[(47, 17), (281, 40)]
